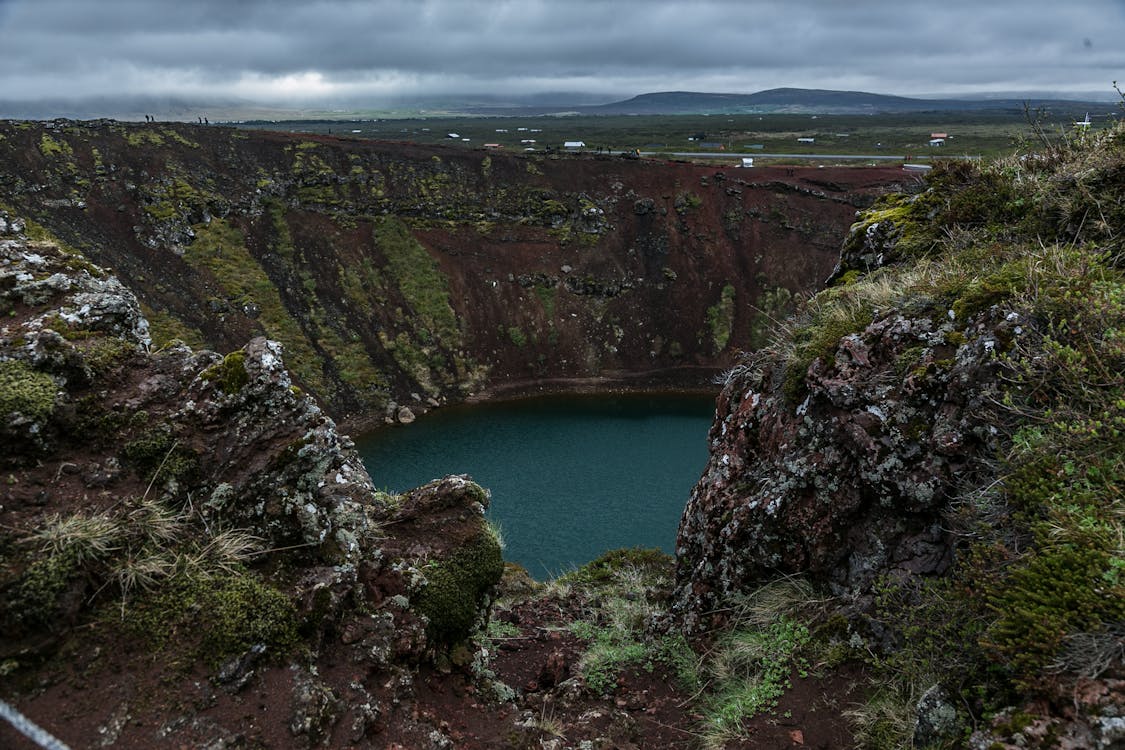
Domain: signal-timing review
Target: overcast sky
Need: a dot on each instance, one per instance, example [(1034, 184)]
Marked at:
[(348, 50)]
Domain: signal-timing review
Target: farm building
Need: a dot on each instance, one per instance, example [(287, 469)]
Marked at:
[(574, 144), (937, 141)]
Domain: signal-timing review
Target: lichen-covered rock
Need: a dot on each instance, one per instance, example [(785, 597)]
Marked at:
[(279, 465), (851, 482), (936, 719), (441, 525)]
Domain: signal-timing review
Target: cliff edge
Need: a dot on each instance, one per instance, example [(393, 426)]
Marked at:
[(935, 445)]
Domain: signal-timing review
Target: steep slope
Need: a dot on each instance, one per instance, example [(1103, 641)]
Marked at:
[(396, 274), (936, 444)]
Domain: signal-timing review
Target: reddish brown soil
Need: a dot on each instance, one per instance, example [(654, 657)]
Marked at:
[(108, 693)]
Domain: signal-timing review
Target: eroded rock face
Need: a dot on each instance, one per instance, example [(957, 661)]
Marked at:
[(390, 270), (849, 480)]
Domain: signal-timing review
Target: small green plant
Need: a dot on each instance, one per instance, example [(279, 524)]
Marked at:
[(517, 336), (885, 721), (750, 671), (141, 546), (628, 584)]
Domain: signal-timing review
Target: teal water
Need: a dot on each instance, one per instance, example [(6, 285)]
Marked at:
[(571, 476)]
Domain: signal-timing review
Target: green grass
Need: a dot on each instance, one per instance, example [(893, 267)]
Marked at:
[(419, 279), (720, 318), (989, 134), (220, 249), (627, 586)]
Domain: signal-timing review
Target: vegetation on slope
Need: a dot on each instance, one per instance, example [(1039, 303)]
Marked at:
[(1025, 253)]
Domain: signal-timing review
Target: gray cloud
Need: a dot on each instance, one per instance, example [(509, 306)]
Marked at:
[(353, 49)]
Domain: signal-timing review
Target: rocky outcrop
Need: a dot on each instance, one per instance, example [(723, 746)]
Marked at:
[(198, 520), (851, 479)]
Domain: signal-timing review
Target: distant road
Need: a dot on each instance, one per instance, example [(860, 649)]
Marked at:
[(758, 154)]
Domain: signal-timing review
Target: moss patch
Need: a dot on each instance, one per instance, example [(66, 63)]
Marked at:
[(229, 375), (419, 280), (219, 617), (720, 318), (456, 588), (25, 391), (158, 451)]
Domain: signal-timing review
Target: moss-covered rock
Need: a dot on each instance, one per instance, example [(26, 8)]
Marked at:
[(458, 588), (25, 392), (229, 375)]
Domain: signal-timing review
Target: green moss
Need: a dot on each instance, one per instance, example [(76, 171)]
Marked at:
[(140, 137), (517, 336), (172, 199), (230, 375), (283, 238), (351, 360), (720, 318), (25, 391), (164, 328), (905, 218), (457, 588), (687, 201), (49, 147), (156, 454), (217, 618), (363, 286), (547, 297), (35, 599), (104, 353), (176, 137), (979, 294)]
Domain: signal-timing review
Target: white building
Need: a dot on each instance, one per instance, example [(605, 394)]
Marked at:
[(574, 144)]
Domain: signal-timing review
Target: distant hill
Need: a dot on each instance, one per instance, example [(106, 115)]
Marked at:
[(817, 101)]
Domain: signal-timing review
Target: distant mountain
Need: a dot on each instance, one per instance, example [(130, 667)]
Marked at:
[(816, 101)]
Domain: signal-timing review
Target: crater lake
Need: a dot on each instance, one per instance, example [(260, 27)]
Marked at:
[(571, 476)]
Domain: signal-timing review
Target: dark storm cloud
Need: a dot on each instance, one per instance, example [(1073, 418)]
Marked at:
[(298, 48)]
